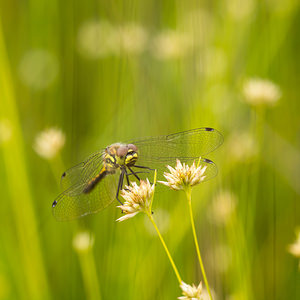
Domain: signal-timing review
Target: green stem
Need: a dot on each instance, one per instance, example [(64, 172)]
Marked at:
[(90, 278), (189, 197), (166, 248)]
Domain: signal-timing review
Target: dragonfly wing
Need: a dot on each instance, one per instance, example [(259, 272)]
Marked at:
[(81, 174), (74, 203), (161, 166), (192, 143)]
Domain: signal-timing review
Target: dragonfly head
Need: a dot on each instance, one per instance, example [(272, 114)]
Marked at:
[(121, 154)]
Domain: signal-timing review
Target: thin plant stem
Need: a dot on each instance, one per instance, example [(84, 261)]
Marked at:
[(166, 248), (89, 273), (189, 197)]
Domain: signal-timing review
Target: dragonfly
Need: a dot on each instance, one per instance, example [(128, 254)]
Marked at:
[(95, 183)]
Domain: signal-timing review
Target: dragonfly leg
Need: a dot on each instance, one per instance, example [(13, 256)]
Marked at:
[(127, 176), (120, 184), (143, 167), (134, 173)]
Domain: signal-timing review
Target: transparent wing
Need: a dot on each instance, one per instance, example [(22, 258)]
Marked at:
[(82, 173), (74, 203), (187, 144), (161, 166)]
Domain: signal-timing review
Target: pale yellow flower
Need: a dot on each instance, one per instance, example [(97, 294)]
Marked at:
[(294, 248), (83, 241), (49, 142), (183, 176), (138, 198), (191, 292), (98, 39), (133, 38), (171, 44), (259, 91)]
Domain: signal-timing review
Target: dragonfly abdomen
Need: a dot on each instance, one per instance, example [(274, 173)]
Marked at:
[(93, 182)]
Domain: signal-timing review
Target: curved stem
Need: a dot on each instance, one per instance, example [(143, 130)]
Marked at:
[(166, 248), (189, 197)]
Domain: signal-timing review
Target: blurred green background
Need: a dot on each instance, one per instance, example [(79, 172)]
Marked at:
[(98, 72)]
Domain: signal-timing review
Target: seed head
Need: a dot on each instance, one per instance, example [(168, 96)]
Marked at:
[(294, 248), (49, 142), (138, 198), (171, 45), (183, 176), (261, 91), (191, 292), (83, 241)]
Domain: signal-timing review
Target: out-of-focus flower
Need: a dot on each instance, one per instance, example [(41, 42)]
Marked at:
[(5, 131), (294, 248), (171, 45), (83, 241), (138, 198), (38, 69), (241, 146), (133, 38), (259, 91), (205, 295), (97, 39), (183, 176), (49, 142), (191, 291), (222, 207)]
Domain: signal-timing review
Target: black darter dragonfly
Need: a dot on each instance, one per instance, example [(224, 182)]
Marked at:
[(93, 184)]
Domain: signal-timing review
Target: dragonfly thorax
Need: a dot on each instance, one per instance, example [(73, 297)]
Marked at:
[(117, 155)]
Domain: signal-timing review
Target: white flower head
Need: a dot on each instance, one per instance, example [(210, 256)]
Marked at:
[(138, 198), (191, 291), (83, 241), (171, 44), (294, 248), (97, 39), (49, 142), (133, 38), (259, 91), (183, 176)]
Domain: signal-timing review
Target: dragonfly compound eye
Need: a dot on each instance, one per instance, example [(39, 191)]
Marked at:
[(132, 147), (122, 151)]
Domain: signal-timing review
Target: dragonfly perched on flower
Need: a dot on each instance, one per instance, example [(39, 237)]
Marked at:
[(93, 184)]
